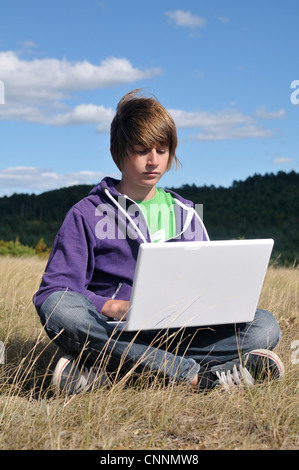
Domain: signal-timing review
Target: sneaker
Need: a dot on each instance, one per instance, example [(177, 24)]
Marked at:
[(263, 364), (257, 365), (71, 378)]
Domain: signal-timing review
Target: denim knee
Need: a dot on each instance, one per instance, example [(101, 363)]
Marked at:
[(66, 310), (72, 321), (267, 332)]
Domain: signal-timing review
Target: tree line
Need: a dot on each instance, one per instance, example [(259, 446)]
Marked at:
[(262, 206)]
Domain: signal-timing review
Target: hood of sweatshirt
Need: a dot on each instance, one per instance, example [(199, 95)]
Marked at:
[(184, 210), (109, 184)]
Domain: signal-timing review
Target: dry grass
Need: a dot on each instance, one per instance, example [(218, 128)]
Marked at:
[(143, 415)]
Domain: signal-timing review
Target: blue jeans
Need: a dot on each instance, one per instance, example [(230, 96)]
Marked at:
[(74, 324)]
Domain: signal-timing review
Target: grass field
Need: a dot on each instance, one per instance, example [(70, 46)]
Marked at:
[(144, 415)]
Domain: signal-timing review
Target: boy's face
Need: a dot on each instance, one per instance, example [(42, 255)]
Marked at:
[(144, 167)]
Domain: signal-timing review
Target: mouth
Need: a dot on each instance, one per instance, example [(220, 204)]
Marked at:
[(151, 173)]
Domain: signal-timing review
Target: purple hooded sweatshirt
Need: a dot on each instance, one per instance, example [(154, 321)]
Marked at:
[(96, 248)]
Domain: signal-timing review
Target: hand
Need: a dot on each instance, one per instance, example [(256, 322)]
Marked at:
[(116, 309)]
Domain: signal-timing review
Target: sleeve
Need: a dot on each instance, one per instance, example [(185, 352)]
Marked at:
[(71, 262)]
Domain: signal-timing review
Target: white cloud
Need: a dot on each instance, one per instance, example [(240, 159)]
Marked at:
[(208, 119), (263, 113), (233, 133), (52, 78), (223, 19), (34, 89), (85, 114), (38, 91), (186, 19), (282, 160), (34, 179), (221, 125), (29, 44)]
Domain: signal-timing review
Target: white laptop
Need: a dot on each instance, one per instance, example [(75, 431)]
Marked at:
[(184, 284)]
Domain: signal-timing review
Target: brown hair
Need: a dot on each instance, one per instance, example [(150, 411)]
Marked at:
[(141, 120)]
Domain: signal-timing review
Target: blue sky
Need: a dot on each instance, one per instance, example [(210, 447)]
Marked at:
[(223, 68)]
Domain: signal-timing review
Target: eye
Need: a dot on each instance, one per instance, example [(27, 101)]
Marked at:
[(140, 150), (162, 150)]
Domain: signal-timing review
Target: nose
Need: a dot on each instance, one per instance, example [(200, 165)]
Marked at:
[(152, 157)]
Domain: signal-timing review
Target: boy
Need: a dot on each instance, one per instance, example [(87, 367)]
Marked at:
[(88, 278)]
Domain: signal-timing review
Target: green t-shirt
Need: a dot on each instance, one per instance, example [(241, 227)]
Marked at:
[(160, 216)]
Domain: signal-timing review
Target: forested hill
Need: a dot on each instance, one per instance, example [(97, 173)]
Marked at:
[(259, 207)]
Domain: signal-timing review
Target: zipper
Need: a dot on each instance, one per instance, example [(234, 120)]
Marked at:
[(117, 290)]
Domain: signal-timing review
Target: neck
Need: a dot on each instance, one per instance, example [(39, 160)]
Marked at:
[(137, 194)]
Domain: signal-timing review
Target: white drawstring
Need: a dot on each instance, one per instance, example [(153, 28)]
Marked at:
[(124, 212), (191, 213)]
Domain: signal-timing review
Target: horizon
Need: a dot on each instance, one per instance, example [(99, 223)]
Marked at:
[(92, 185)]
